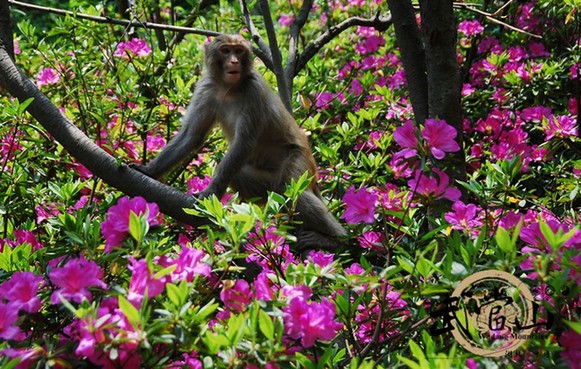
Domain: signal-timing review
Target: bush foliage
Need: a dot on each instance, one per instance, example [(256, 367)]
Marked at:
[(92, 278)]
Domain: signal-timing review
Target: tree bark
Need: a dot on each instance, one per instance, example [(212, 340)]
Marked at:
[(444, 79), (413, 55), (100, 163)]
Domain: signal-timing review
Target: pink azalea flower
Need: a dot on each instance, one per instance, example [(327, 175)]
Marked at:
[(470, 27), (354, 269), (74, 280), (136, 46), (236, 295), (302, 291), (406, 137), (320, 258), (27, 356), (198, 184), (532, 235), (440, 137), (323, 100), (360, 206), (356, 87), (44, 212), (25, 237), (432, 188), (538, 49), (397, 79), (464, 217), (471, 364), (115, 228), (368, 316), (269, 250), (143, 282), (467, 89), (561, 126), (263, 289), (82, 171), (47, 76), (571, 343), (189, 361), (370, 44), (371, 240), (8, 317), (190, 264), (310, 321), (536, 113), (21, 291), (286, 20), (16, 47)]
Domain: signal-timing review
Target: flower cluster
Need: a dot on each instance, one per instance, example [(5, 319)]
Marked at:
[(47, 76), (306, 320), (438, 135), (134, 47), (115, 228)]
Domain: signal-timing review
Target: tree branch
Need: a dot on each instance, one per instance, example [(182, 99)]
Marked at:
[(109, 20), (295, 33), (263, 51), (379, 22), (283, 87)]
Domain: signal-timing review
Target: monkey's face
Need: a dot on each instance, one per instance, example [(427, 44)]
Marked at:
[(232, 59), (228, 59)]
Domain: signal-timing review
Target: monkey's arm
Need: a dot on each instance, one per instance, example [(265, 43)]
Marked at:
[(241, 147), (197, 122)]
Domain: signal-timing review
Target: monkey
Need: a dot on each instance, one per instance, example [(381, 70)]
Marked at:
[(266, 147)]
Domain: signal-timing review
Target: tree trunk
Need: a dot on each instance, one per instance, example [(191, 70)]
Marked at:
[(413, 55), (444, 79)]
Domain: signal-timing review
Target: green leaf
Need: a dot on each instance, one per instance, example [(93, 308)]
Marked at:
[(215, 341), (206, 310), (576, 326), (130, 312), (173, 293), (503, 240), (236, 328), (138, 226), (304, 361), (165, 271), (22, 107), (265, 324), (12, 363)]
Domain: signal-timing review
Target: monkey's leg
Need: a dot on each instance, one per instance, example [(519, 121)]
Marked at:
[(252, 182), (320, 229)]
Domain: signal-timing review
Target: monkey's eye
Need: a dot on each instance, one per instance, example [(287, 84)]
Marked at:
[(225, 50)]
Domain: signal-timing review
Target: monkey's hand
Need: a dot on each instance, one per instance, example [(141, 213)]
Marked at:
[(204, 194), (141, 168)]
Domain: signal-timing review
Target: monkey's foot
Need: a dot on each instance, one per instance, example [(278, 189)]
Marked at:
[(140, 168), (312, 240)]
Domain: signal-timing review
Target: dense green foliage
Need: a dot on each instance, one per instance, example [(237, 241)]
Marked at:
[(91, 278)]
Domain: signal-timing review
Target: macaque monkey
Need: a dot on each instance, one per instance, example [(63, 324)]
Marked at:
[(266, 146)]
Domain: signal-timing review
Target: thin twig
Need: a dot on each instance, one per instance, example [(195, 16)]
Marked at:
[(263, 51), (491, 17), (380, 23), (109, 20), (499, 10), (295, 32)]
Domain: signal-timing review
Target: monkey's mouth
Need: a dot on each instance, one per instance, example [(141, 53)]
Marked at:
[(233, 72)]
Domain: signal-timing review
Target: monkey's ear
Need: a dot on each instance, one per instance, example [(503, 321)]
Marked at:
[(207, 45)]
